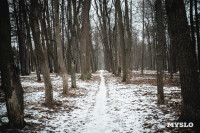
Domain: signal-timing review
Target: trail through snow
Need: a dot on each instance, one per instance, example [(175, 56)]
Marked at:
[(100, 105), (99, 122)]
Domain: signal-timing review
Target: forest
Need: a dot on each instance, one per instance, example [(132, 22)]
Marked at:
[(95, 66)]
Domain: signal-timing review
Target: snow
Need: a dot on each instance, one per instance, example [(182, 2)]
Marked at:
[(99, 121), (99, 105)]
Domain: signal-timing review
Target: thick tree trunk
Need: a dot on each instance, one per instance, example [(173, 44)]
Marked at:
[(85, 41), (160, 49), (187, 62), (10, 77), (63, 70), (40, 52)]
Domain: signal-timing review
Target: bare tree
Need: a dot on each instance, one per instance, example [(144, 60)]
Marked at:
[(187, 63), (34, 17), (122, 39), (63, 70), (85, 41), (9, 75), (160, 49), (142, 61)]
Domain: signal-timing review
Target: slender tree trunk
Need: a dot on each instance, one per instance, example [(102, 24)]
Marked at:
[(115, 32), (62, 28), (45, 37), (19, 23), (10, 77), (129, 43), (50, 47), (40, 52), (160, 49), (63, 70), (149, 47), (142, 61), (192, 23), (57, 68), (35, 60), (29, 43), (73, 50), (122, 40), (197, 31), (187, 63)]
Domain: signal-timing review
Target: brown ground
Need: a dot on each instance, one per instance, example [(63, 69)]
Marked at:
[(152, 79)]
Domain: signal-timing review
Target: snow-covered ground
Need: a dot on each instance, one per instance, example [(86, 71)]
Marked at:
[(100, 105)]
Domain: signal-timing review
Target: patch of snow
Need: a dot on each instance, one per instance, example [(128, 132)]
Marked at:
[(4, 119)]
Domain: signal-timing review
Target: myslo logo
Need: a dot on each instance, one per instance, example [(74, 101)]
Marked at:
[(180, 124)]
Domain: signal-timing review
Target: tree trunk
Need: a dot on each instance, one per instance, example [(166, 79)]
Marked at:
[(20, 33), (197, 31), (10, 77), (160, 49), (85, 41), (40, 52), (122, 40), (129, 43), (63, 70), (50, 47), (192, 24), (73, 48), (149, 47), (142, 61), (115, 32), (187, 63)]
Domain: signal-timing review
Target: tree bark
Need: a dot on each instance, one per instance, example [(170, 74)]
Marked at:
[(187, 63), (192, 24), (160, 49), (20, 34), (149, 47), (73, 48), (29, 42), (142, 61), (129, 43), (197, 31), (50, 48), (63, 70), (85, 41), (122, 40), (34, 16), (10, 77)]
